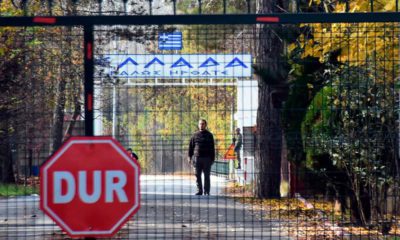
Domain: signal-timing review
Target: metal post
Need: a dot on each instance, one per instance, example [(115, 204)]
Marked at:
[(74, 7), (114, 111), (151, 7), (398, 115), (224, 7), (174, 4), (248, 6), (125, 8), (199, 6), (89, 79), (100, 2), (24, 8), (50, 5), (372, 5)]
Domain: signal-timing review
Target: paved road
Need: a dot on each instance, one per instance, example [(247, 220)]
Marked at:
[(169, 210)]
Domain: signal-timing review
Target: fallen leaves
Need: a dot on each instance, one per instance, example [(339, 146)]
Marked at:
[(303, 218)]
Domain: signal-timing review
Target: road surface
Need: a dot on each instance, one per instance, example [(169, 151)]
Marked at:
[(169, 210)]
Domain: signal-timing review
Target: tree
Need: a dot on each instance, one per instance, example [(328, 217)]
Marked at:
[(11, 93), (272, 72), (351, 119), (70, 74), (348, 126), (10, 79), (34, 61), (162, 119)]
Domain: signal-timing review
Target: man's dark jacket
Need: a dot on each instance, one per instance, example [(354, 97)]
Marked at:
[(202, 145)]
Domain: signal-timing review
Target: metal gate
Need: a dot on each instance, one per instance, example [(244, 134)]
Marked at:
[(314, 95)]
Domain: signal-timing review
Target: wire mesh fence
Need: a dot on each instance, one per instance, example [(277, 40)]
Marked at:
[(316, 106), (150, 7)]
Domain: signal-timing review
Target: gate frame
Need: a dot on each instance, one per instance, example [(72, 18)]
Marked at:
[(89, 22)]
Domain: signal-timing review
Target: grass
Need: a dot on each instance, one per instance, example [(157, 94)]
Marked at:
[(8, 190)]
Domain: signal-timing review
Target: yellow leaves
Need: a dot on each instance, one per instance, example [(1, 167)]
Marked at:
[(390, 6), (7, 9), (360, 231), (395, 229), (309, 48), (336, 102), (358, 42), (359, 6), (340, 8), (320, 222), (291, 47), (77, 61)]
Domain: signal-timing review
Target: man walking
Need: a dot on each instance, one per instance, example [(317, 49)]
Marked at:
[(238, 145), (202, 154)]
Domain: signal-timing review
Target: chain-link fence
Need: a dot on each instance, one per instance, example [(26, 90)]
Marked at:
[(304, 119)]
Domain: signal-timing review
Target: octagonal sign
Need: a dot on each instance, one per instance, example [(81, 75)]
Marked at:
[(90, 186)]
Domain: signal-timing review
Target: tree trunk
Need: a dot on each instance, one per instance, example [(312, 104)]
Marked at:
[(57, 130), (71, 125), (269, 130), (6, 163), (65, 76), (268, 146)]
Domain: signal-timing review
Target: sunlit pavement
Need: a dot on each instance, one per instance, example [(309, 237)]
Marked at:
[(169, 210)]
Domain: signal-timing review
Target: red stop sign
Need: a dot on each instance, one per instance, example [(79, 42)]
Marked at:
[(90, 186)]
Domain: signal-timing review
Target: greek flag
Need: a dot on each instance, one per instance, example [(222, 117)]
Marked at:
[(170, 41)]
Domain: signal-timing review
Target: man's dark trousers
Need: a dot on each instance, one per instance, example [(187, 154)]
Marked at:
[(203, 164)]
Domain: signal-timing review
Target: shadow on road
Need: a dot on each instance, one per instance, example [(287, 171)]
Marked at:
[(169, 210)]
